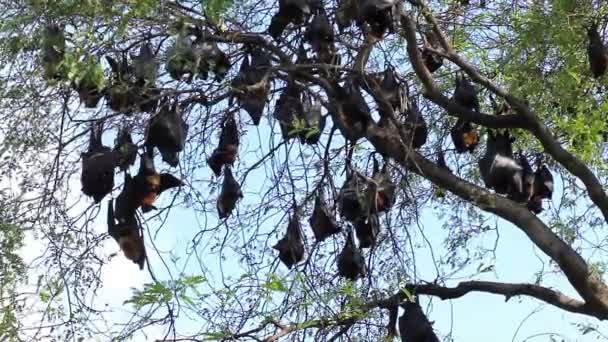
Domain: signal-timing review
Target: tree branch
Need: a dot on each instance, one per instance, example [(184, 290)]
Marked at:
[(508, 290), (544, 294), (530, 120), (587, 284), (434, 93)]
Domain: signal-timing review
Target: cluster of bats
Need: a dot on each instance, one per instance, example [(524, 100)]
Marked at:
[(499, 168), (360, 202), (361, 199), (166, 132), (377, 16), (132, 87)]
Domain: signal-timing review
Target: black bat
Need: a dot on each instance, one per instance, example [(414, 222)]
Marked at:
[(432, 61), (182, 60), (542, 189), (351, 264), (288, 111), (125, 149), (88, 93), (252, 84), (379, 15), (352, 110), (381, 196), (53, 50), (145, 66), (367, 229), (527, 177), (416, 125), (127, 202), (351, 199), (321, 221), (391, 89), (290, 11), (221, 63), (597, 52), (320, 35), (210, 57), (230, 194), (465, 93), (499, 171), (127, 234), (167, 131), (391, 327), (291, 247), (149, 184), (122, 94), (543, 182), (319, 32), (227, 149), (464, 136), (414, 326), (98, 165)]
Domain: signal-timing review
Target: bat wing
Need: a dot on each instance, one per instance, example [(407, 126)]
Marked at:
[(168, 181)]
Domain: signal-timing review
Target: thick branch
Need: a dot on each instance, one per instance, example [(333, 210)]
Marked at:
[(544, 294), (587, 284), (508, 290)]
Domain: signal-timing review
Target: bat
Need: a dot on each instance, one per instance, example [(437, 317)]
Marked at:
[(125, 149), (314, 121), (167, 131), (499, 171), (351, 199), (230, 194), (414, 326), (145, 66), (149, 184), (321, 221), (53, 50), (290, 247), (367, 229), (597, 52), (226, 151), (127, 234), (351, 264), (464, 136), (98, 163)]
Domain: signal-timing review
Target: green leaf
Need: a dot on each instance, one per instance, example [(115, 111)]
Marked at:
[(275, 283)]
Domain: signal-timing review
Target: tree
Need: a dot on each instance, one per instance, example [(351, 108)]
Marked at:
[(530, 77)]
